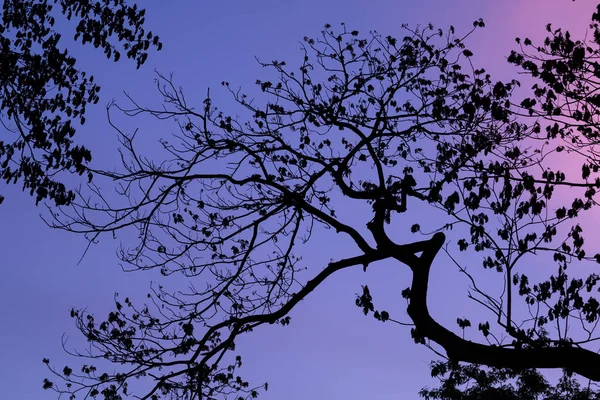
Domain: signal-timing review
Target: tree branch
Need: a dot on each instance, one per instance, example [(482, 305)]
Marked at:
[(581, 361)]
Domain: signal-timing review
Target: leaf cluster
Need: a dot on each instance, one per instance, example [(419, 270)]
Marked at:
[(43, 93)]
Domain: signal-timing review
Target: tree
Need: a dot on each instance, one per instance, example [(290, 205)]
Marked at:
[(389, 125), (44, 94)]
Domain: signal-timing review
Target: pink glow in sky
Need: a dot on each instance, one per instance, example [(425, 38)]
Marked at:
[(330, 350)]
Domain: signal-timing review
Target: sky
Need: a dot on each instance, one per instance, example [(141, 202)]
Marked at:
[(330, 350)]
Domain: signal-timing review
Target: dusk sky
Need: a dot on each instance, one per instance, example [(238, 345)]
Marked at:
[(330, 350)]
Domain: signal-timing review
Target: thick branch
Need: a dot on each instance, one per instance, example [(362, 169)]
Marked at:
[(581, 361)]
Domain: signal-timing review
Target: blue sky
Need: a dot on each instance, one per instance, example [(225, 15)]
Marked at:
[(330, 350)]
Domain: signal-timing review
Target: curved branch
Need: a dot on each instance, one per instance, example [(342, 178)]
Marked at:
[(581, 361)]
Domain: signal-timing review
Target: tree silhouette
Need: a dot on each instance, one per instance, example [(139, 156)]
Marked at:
[(392, 126), (44, 94), (565, 73)]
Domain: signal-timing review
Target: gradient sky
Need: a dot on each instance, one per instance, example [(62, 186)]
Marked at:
[(330, 350)]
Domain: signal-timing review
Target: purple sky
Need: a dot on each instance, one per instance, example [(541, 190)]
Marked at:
[(330, 350)]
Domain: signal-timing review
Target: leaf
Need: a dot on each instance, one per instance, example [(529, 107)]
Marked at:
[(405, 293), (451, 201), (365, 301), (463, 323), (585, 171), (484, 328), (188, 329)]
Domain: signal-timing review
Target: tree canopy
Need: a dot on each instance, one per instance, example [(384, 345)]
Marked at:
[(43, 93), (391, 127)]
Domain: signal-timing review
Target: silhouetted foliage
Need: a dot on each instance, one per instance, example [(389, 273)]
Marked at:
[(471, 382), (394, 125), (565, 73), (44, 95)]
